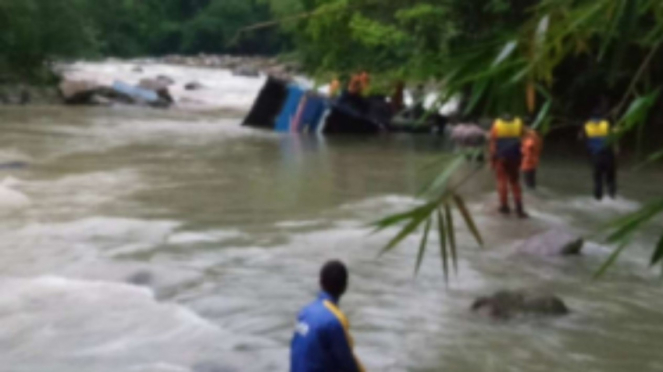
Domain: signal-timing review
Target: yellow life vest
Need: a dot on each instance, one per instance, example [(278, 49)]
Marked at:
[(594, 129), (509, 129)]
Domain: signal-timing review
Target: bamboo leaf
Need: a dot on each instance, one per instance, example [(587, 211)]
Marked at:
[(422, 246), (444, 177), (639, 109), (543, 114), (658, 252), (469, 221), (405, 232), (451, 234), (612, 30), (505, 53), (655, 156), (634, 221), (611, 260), (542, 30), (650, 159), (400, 217), (627, 22), (443, 246), (520, 75), (477, 93)]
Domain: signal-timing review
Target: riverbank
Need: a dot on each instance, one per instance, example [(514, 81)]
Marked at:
[(29, 94)]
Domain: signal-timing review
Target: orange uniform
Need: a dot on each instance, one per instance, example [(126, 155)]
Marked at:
[(532, 147), (359, 83), (506, 155)]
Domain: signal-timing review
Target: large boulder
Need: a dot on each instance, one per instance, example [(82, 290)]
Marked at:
[(556, 242), (78, 91), (160, 87), (509, 304)]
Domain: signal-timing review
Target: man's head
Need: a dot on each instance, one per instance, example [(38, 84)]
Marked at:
[(334, 278), (597, 115)]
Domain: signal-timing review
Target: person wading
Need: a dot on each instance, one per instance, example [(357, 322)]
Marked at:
[(506, 154), (604, 165), (322, 341), (532, 147)]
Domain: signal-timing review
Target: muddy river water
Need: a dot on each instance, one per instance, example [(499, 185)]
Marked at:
[(166, 241)]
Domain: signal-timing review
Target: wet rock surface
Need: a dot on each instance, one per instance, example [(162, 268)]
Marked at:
[(468, 135), (555, 242), (194, 85), (85, 92), (510, 304)]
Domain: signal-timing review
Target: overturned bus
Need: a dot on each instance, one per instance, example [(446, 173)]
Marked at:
[(287, 107)]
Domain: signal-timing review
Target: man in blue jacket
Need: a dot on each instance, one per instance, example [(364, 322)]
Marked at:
[(322, 341)]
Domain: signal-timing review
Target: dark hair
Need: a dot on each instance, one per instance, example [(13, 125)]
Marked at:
[(334, 278)]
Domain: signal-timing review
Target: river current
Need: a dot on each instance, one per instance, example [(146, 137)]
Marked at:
[(177, 241)]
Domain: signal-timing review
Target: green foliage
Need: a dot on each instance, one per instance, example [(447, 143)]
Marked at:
[(30, 35), (621, 232), (34, 32)]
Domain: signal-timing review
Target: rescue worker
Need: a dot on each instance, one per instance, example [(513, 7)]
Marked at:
[(506, 155), (359, 84), (596, 133), (532, 147), (322, 341)]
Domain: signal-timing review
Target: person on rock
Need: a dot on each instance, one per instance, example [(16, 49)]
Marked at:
[(506, 155), (596, 133), (322, 341), (532, 148)]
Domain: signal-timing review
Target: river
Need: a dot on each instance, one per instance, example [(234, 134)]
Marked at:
[(177, 241)]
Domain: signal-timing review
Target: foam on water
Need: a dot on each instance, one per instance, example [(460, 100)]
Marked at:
[(221, 89), (83, 324), (10, 199)]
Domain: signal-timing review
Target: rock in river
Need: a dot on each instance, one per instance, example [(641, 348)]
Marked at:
[(509, 304), (556, 242), (194, 85), (468, 135), (159, 86), (78, 91)]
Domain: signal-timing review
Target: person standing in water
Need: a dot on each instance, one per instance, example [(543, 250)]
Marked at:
[(322, 341), (532, 147), (596, 133), (506, 155)]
